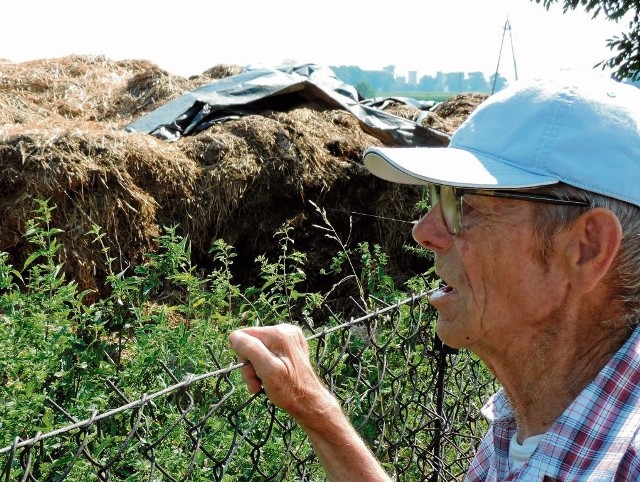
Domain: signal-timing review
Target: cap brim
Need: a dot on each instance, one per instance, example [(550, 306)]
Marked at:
[(450, 166)]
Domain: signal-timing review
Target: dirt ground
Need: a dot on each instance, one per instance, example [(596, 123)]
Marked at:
[(62, 139)]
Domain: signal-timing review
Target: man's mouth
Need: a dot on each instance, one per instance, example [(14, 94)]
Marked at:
[(445, 288), (441, 291), (444, 285)]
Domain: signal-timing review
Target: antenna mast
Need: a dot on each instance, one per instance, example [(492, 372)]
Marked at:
[(505, 29)]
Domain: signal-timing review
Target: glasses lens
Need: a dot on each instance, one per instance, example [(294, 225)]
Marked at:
[(432, 194), (450, 209)]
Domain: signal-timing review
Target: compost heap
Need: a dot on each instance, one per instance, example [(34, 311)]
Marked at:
[(62, 139)]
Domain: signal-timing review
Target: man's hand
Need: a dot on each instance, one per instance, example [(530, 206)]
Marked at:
[(278, 359), (279, 363)]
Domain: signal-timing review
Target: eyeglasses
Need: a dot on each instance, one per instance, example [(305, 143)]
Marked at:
[(451, 198)]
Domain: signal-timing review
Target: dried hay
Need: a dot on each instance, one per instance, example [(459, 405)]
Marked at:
[(446, 116), (92, 88), (260, 171), (219, 72), (403, 110), (93, 176), (62, 139), (74, 87), (456, 109)]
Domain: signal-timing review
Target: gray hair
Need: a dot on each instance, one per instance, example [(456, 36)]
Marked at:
[(624, 276)]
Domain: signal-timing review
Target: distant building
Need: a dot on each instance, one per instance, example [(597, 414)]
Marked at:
[(384, 81)]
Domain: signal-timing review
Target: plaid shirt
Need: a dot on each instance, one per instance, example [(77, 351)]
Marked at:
[(597, 438)]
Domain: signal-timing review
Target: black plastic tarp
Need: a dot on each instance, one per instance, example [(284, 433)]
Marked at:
[(255, 90)]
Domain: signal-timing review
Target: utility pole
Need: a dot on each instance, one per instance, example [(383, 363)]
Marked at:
[(505, 29)]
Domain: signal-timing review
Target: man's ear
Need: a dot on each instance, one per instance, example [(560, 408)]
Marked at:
[(597, 237)]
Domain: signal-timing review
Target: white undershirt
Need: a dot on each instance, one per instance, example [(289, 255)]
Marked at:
[(519, 454)]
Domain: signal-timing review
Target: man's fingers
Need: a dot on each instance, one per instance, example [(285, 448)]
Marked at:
[(254, 384), (248, 348), (284, 340), (274, 335), (279, 358), (253, 350)]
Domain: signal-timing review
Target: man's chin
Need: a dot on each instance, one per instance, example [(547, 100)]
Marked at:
[(449, 333)]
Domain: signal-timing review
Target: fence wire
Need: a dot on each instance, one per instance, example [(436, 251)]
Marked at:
[(414, 401)]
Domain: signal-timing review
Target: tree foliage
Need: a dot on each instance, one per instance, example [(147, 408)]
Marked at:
[(365, 89), (625, 62)]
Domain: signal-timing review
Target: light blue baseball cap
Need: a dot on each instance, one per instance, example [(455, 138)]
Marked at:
[(580, 130)]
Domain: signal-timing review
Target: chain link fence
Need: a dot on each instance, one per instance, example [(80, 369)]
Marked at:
[(414, 401)]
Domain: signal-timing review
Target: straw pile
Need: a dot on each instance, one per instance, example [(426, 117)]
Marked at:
[(62, 139)]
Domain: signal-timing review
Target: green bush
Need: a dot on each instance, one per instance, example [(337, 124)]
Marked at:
[(64, 360)]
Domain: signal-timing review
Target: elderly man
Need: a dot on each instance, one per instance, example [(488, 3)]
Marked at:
[(535, 227)]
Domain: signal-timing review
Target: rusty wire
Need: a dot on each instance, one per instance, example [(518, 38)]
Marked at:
[(414, 401)]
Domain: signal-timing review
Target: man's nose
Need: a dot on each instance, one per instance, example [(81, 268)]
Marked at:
[(431, 231)]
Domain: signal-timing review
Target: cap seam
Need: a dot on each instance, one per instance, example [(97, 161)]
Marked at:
[(548, 136)]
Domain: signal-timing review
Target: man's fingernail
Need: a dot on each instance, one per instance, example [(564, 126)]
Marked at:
[(234, 337)]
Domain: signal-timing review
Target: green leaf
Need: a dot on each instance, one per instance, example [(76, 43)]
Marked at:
[(35, 255)]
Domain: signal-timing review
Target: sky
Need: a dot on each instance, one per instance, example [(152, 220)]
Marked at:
[(189, 36)]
